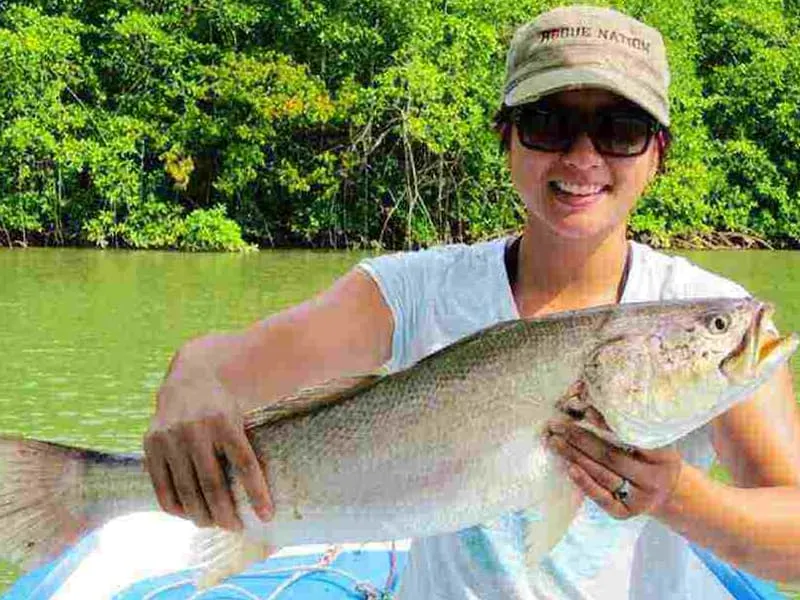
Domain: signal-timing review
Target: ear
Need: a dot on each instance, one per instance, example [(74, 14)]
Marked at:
[(510, 145), (506, 131), (655, 160)]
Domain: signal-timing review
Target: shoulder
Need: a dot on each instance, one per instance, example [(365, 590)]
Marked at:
[(658, 275), (439, 295), (436, 257), (453, 262)]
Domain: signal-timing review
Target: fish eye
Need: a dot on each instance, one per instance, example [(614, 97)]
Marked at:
[(719, 323)]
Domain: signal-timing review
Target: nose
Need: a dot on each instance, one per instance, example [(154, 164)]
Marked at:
[(582, 154)]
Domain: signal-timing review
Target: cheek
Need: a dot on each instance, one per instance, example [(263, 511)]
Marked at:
[(631, 180), (528, 170)]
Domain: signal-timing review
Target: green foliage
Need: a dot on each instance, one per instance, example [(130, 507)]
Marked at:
[(210, 229), (198, 125), (751, 73)]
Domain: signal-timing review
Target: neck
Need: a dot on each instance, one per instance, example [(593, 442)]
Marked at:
[(555, 274)]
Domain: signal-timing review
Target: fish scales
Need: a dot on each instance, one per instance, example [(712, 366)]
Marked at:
[(451, 442), (432, 443)]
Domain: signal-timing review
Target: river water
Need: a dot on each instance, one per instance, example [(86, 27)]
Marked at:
[(86, 335)]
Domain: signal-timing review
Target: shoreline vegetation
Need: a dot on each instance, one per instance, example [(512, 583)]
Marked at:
[(228, 125), (714, 240)]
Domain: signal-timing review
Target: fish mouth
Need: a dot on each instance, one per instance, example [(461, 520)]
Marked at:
[(760, 350)]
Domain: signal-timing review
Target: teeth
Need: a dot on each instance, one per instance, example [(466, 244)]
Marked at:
[(578, 190)]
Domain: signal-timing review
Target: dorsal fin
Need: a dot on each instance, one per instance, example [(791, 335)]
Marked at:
[(332, 392), (310, 399)]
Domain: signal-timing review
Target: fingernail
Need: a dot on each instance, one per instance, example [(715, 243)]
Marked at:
[(264, 512), (235, 525), (557, 427)]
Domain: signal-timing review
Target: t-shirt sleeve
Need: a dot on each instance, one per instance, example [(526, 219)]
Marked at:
[(400, 278), (688, 280), (659, 276), (439, 295)]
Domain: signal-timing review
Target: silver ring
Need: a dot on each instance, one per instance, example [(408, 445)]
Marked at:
[(623, 491)]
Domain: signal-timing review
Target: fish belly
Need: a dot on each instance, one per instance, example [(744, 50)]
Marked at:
[(383, 468)]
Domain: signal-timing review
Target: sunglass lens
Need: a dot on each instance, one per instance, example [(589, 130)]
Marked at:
[(553, 130), (621, 135), (543, 130)]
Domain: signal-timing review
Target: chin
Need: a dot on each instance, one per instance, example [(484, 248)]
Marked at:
[(580, 227), (580, 233), (589, 223)]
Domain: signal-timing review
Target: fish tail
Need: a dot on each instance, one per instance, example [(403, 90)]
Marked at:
[(51, 495)]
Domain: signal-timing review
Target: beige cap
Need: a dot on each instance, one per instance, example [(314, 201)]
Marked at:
[(588, 47)]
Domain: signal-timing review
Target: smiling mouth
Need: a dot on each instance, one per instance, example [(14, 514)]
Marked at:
[(577, 190)]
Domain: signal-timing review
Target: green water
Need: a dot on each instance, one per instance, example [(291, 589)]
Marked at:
[(86, 335)]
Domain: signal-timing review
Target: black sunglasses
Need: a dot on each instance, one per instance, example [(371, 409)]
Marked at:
[(614, 132)]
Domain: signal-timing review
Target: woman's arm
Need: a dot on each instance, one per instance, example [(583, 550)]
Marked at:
[(758, 441), (756, 529), (214, 379), (347, 330), (756, 526), (754, 523)]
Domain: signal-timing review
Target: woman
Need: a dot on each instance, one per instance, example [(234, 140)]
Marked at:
[(584, 124)]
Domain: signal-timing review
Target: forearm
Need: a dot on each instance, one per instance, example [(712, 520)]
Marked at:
[(246, 367), (757, 529), (344, 332), (268, 362)]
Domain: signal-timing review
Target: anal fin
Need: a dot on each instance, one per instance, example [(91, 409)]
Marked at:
[(558, 509), (220, 553)]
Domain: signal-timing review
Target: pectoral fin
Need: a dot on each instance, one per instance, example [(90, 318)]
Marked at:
[(574, 403), (577, 404)]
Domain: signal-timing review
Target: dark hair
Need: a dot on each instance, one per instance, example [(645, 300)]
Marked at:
[(501, 123)]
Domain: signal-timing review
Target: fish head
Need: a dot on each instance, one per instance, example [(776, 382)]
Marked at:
[(670, 370)]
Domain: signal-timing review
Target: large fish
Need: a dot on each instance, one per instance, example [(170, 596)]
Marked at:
[(453, 441)]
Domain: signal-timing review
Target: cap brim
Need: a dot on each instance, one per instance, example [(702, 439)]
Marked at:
[(570, 78)]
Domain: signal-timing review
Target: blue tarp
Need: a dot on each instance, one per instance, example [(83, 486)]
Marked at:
[(352, 575)]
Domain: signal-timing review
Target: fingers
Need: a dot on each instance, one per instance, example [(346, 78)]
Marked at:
[(579, 444), (599, 468), (186, 484), (213, 486), (248, 470), (595, 480), (186, 466), (173, 476), (605, 477), (598, 493), (156, 465)]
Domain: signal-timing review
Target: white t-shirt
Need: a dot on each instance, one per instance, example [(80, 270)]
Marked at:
[(440, 295)]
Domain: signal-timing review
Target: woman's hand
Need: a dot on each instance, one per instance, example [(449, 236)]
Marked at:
[(600, 470), (198, 423)]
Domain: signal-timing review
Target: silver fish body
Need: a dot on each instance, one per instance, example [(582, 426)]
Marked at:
[(453, 441)]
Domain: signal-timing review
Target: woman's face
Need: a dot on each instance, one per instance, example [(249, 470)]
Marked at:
[(580, 194)]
